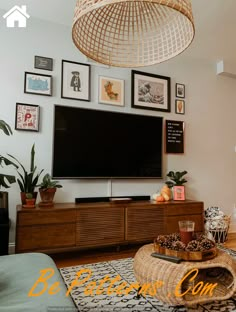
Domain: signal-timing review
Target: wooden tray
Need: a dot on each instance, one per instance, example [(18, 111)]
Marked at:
[(187, 255)]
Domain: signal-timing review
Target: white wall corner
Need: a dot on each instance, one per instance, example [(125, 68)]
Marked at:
[(225, 68)]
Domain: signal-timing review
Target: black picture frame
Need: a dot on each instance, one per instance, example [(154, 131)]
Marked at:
[(174, 136), (44, 63), (40, 84), (75, 81), (150, 91), (27, 117), (180, 106), (180, 90)]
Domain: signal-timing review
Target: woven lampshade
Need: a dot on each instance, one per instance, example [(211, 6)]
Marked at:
[(132, 33)]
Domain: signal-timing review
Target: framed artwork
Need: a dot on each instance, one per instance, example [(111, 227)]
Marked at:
[(41, 62), (180, 107), (75, 81), (38, 84), (179, 192), (111, 91), (27, 117), (180, 90), (150, 91)]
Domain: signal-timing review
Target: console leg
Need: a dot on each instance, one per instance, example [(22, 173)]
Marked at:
[(118, 248)]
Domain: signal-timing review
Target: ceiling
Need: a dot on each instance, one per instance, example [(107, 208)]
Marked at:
[(214, 21)]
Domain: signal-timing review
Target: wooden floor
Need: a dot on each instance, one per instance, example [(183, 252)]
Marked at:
[(111, 253)]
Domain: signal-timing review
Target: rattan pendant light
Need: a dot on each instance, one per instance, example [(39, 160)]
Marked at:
[(132, 33)]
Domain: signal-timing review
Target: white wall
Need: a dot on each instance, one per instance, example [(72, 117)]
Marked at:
[(210, 109)]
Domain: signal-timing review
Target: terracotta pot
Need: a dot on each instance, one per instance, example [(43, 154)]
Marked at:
[(47, 196), (30, 202), (23, 197)]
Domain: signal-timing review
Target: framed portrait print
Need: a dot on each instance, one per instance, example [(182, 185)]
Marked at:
[(41, 62), (27, 117), (180, 107), (38, 84), (111, 91), (150, 91), (180, 90), (75, 81)]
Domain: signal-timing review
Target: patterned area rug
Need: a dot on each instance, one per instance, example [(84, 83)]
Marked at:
[(89, 297)]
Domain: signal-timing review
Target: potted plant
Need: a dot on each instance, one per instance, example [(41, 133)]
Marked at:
[(30, 200), (27, 181), (47, 190), (176, 182)]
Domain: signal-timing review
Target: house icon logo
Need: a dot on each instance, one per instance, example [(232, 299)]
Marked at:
[(16, 16)]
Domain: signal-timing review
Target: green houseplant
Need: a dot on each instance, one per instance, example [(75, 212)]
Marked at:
[(6, 179), (47, 190), (176, 178), (27, 180), (177, 182)]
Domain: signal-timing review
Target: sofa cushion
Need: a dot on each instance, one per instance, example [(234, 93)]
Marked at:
[(18, 274)]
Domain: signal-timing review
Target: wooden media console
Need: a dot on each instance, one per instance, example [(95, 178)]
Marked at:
[(70, 226)]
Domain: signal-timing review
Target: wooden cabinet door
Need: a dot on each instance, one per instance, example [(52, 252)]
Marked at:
[(143, 223), (101, 226), (42, 237), (45, 229)]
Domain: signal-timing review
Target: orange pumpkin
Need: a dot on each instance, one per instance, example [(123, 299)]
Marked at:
[(160, 199)]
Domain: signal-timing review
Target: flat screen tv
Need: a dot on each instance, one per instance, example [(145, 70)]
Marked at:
[(103, 144)]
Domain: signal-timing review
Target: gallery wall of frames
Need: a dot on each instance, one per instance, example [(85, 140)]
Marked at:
[(148, 91)]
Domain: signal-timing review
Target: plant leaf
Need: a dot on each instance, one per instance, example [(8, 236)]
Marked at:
[(5, 127)]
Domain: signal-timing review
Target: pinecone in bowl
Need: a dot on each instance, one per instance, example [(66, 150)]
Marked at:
[(161, 239), (207, 244), (178, 246), (194, 245)]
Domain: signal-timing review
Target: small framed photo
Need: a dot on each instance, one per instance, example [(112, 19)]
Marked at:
[(180, 90), (150, 91), (45, 63), (179, 192), (38, 84), (27, 117), (111, 91), (75, 81), (180, 107)]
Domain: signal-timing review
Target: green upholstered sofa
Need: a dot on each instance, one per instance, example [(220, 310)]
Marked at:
[(19, 273)]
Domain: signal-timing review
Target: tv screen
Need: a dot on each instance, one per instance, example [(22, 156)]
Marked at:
[(103, 144)]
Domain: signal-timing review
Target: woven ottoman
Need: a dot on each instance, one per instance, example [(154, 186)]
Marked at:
[(186, 283)]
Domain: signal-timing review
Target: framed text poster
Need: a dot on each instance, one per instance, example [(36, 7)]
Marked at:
[(174, 135)]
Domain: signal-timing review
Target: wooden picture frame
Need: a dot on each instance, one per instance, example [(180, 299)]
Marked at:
[(27, 117), (150, 91), (75, 81), (111, 91), (39, 84), (180, 90), (41, 62), (180, 107)]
